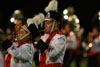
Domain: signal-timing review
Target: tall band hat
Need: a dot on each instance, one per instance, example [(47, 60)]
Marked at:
[(53, 15)]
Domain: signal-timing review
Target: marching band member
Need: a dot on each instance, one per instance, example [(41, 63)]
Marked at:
[(94, 53), (38, 20), (21, 52), (70, 45), (19, 23), (1, 56), (52, 43)]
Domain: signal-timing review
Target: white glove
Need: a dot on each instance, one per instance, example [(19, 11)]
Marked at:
[(36, 19)]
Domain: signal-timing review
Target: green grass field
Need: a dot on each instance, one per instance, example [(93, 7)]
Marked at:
[(83, 63)]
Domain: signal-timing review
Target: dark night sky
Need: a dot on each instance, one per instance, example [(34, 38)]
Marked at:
[(85, 10), (89, 9)]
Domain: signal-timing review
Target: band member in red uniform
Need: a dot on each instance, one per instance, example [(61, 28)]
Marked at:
[(52, 43), (19, 23), (70, 45), (22, 51), (94, 51)]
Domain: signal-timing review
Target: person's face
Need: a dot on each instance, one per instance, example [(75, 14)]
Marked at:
[(10, 37), (1, 31), (21, 33), (71, 9), (48, 26), (95, 32), (67, 29), (18, 25), (90, 34)]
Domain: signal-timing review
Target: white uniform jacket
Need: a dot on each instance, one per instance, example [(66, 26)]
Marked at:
[(56, 50), (1, 60), (22, 56), (96, 45), (71, 41)]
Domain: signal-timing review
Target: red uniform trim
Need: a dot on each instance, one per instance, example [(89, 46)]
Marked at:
[(93, 53), (8, 58), (29, 42), (42, 60), (48, 18), (74, 50), (43, 55)]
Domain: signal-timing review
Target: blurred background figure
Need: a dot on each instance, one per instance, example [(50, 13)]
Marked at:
[(1, 59), (69, 14), (86, 44), (72, 28), (1, 40), (2, 35), (70, 45), (7, 43), (16, 21), (79, 49), (94, 52)]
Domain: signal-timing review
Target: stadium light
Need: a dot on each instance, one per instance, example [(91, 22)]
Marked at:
[(65, 11), (17, 12), (77, 20), (99, 13), (65, 17), (12, 19)]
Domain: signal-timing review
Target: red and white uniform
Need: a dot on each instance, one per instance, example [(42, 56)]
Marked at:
[(21, 54), (55, 53)]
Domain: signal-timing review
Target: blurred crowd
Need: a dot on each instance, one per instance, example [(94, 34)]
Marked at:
[(50, 39)]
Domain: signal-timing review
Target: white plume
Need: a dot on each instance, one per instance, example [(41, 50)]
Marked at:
[(53, 5), (36, 19)]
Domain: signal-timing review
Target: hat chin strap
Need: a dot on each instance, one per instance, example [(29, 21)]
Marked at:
[(52, 27), (23, 37)]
